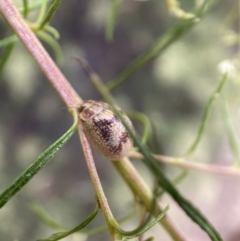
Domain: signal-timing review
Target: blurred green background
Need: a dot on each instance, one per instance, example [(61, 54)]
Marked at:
[(172, 91)]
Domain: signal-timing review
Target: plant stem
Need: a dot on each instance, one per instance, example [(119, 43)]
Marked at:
[(44, 61), (129, 173), (111, 222), (180, 162), (71, 98), (141, 190)]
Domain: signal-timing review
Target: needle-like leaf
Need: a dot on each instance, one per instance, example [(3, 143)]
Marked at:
[(142, 229), (36, 166), (50, 13), (60, 235)]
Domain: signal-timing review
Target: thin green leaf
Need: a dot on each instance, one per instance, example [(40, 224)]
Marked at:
[(45, 217), (162, 43), (233, 139), (149, 239), (5, 56), (52, 31), (176, 181), (104, 228), (206, 115), (36, 166), (145, 121), (50, 13), (60, 235), (25, 8), (9, 40), (112, 19), (144, 228), (42, 12), (33, 6), (48, 220), (53, 44)]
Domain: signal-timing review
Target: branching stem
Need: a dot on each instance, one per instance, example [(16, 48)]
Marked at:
[(180, 162)]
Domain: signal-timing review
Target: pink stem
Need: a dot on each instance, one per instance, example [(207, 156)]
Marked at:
[(44, 61), (224, 170), (97, 185), (199, 166)]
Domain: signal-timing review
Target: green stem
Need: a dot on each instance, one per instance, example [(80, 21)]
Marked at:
[(141, 190)]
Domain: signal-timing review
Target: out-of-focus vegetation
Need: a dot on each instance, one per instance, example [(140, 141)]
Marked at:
[(173, 91)]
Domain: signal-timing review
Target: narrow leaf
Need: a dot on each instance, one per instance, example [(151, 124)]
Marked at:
[(145, 121), (33, 6), (42, 12), (25, 8), (176, 181), (112, 19), (53, 44), (233, 138), (36, 166), (5, 56), (104, 228), (144, 228), (162, 43), (50, 13), (206, 115), (48, 220), (9, 40), (52, 31), (60, 235), (45, 217)]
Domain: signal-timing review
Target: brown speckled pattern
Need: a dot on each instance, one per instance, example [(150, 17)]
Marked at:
[(104, 130)]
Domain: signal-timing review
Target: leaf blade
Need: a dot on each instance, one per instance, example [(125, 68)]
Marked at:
[(206, 114), (144, 228), (50, 13), (60, 235), (112, 19), (36, 166), (161, 44), (5, 57)]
